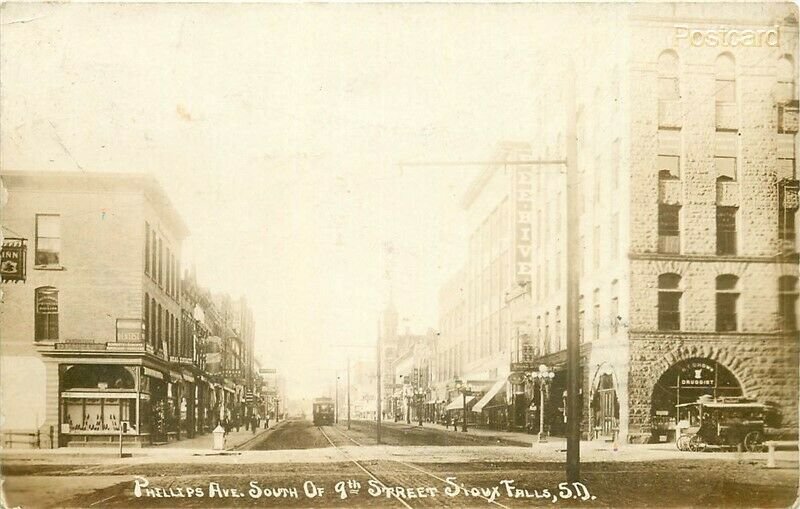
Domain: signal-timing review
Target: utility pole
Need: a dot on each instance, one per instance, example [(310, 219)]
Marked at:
[(348, 393), (378, 393), (573, 288)]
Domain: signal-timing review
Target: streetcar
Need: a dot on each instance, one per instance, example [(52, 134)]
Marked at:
[(323, 412)]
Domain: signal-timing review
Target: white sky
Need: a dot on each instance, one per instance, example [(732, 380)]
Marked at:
[(277, 130)]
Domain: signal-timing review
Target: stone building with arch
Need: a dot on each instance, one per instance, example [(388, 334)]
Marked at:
[(688, 202)]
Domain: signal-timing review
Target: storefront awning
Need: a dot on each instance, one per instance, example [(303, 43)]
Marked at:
[(458, 403), (489, 396)]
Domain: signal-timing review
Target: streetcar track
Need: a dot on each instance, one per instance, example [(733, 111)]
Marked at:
[(359, 465), (408, 465)]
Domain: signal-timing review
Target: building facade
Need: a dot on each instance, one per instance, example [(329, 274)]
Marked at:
[(100, 332), (688, 198)]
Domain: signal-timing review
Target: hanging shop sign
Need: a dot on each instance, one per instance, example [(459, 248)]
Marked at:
[(12, 259)]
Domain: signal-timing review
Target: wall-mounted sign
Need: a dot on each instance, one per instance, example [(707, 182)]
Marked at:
[(130, 330), (523, 243), (12, 260), (698, 374)]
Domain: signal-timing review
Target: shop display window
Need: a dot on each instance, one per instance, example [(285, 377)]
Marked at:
[(98, 414)]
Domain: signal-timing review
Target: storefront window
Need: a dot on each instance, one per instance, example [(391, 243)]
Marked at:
[(98, 414)]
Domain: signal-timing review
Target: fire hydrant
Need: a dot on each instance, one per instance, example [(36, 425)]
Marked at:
[(219, 438)]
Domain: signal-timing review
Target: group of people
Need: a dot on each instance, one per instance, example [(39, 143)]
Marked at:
[(252, 422)]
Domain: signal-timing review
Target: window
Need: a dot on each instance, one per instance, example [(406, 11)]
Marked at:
[(153, 255), (153, 323), (546, 333), (614, 236), (596, 315), (786, 229), (725, 70), (48, 240), (168, 272), (669, 302), (669, 240), (726, 230), (669, 150), (147, 328), (668, 88), (614, 308), (46, 314), (160, 263), (581, 320), (725, 152), (727, 299), (557, 338), (160, 330), (786, 156), (786, 74), (147, 248), (787, 296)]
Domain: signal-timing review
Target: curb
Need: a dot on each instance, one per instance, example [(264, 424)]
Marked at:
[(254, 438)]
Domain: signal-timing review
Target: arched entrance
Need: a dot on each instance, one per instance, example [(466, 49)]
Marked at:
[(605, 407), (685, 382)]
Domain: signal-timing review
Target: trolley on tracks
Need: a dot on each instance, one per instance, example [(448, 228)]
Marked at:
[(323, 412)]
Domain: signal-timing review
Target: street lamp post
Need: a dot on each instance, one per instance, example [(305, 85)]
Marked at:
[(463, 388), (543, 377)]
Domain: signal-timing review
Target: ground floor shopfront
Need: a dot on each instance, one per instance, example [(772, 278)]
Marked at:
[(634, 397)]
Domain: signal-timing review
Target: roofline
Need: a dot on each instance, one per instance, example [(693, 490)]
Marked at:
[(147, 182)]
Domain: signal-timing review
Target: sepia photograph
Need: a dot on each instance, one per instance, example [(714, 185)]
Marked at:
[(399, 254)]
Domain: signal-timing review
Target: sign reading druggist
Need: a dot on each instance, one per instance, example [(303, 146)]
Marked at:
[(698, 374), (523, 203)]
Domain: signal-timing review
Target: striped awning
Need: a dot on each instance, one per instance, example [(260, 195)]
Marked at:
[(489, 396)]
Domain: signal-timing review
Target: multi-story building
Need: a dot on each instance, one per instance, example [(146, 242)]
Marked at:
[(451, 340), (90, 328), (688, 264)]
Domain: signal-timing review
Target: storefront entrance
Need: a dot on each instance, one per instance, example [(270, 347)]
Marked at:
[(605, 408), (685, 382)]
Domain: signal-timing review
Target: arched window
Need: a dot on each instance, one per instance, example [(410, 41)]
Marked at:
[(786, 73), (787, 302), (46, 314), (669, 302), (727, 302), (725, 71), (668, 86)]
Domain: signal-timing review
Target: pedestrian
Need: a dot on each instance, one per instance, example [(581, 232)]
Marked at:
[(253, 423)]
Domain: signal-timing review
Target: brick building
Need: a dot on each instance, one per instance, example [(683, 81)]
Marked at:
[(686, 155), (98, 327)]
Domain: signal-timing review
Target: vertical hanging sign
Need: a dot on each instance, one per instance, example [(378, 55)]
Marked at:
[(523, 243)]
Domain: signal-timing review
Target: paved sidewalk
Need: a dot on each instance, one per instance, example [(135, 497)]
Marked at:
[(233, 439)]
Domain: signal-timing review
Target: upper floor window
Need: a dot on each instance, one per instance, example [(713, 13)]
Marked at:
[(547, 333), (727, 302), (786, 72), (669, 231), (726, 230), (147, 248), (46, 314), (668, 87), (669, 154), (596, 315), (725, 74), (613, 311), (786, 156), (581, 320), (48, 239), (787, 302), (669, 302), (725, 152), (786, 229), (557, 331)]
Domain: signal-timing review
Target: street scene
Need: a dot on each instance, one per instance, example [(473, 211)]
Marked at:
[(399, 255)]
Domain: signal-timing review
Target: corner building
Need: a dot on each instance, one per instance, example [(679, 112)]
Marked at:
[(90, 331), (688, 260)]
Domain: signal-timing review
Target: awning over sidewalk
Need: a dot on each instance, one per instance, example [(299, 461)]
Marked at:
[(458, 403), (489, 396)]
